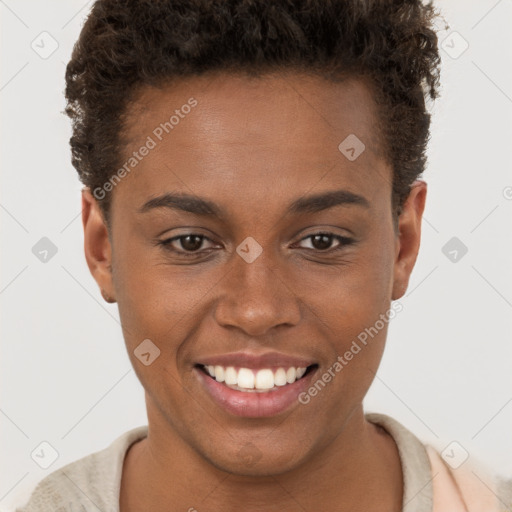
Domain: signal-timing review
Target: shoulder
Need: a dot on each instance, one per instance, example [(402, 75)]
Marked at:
[(89, 483), (471, 482), (446, 479)]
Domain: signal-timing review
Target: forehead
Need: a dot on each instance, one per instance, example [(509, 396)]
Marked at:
[(250, 110), (235, 135)]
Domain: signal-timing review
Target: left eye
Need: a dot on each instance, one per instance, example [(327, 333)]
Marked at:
[(322, 241)]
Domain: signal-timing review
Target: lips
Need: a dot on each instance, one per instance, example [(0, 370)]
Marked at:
[(257, 361), (255, 385)]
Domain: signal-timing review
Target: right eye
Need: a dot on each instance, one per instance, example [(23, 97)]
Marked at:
[(190, 243)]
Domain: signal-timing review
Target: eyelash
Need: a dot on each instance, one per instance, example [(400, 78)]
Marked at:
[(343, 242)]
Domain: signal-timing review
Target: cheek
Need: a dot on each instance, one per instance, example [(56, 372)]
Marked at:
[(144, 308), (353, 308), (355, 294), (158, 301)]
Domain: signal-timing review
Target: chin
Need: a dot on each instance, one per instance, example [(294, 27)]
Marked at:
[(263, 457), (251, 463)]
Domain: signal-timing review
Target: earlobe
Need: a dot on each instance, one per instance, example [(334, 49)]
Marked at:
[(97, 246), (409, 237)]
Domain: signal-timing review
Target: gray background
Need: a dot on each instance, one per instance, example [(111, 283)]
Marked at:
[(66, 377)]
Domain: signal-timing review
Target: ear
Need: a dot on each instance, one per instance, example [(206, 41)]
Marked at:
[(408, 238), (97, 246)]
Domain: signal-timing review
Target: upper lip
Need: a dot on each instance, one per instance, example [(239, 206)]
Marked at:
[(254, 361)]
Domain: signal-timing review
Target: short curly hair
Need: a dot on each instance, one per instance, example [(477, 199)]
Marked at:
[(125, 45)]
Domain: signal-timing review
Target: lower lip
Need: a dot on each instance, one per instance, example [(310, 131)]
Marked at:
[(255, 404)]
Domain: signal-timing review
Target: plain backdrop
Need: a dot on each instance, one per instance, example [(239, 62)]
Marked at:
[(65, 375)]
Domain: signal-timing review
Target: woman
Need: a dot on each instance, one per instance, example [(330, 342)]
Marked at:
[(252, 204)]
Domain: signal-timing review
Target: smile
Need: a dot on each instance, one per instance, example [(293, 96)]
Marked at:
[(255, 387), (254, 380)]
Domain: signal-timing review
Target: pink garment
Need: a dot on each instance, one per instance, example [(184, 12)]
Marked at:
[(465, 489)]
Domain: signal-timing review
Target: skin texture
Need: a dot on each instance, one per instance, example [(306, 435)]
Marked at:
[(253, 146)]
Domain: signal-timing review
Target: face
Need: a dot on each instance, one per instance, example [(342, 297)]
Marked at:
[(245, 240)]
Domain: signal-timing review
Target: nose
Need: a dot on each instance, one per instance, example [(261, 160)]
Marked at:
[(258, 296)]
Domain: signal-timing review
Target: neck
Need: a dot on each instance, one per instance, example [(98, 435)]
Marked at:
[(359, 470)]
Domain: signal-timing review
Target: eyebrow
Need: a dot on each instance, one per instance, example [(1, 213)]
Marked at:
[(308, 204)]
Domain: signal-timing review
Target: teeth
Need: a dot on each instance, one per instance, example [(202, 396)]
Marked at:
[(230, 376), (247, 379), (219, 374), (264, 379), (280, 377), (291, 375)]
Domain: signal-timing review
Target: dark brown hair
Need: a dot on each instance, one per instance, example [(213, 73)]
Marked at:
[(127, 44)]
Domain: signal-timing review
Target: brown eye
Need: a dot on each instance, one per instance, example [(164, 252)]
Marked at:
[(323, 241), (191, 242), (184, 244)]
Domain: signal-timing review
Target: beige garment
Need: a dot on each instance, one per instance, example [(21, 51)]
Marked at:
[(93, 482)]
